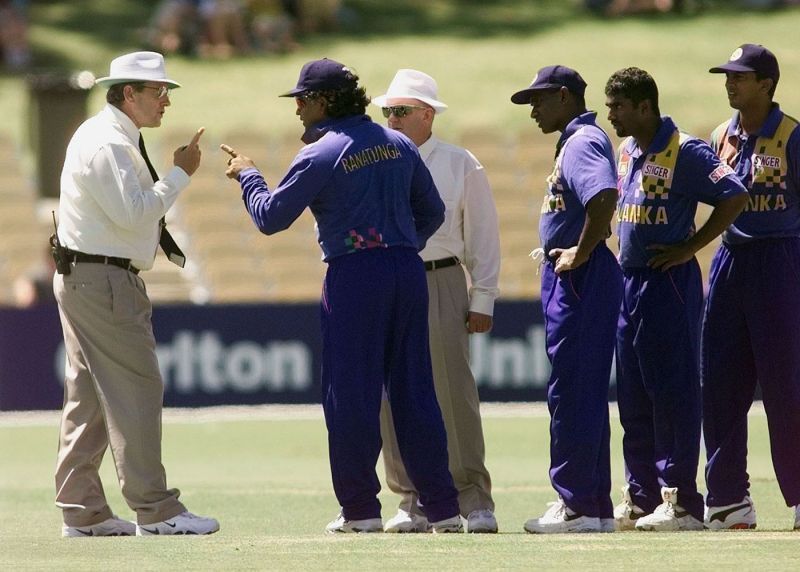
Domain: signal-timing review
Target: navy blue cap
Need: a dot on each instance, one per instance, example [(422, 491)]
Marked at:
[(551, 77), (751, 58), (320, 75)]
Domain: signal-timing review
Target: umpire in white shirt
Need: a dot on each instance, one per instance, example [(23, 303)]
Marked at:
[(110, 224), (467, 239)]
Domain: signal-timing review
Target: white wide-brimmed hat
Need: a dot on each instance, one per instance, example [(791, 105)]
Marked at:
[(412, 84), (138, 66)]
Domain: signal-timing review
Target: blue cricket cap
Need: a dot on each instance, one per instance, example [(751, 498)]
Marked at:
[(321, 75), (551, 77), (751, 58)]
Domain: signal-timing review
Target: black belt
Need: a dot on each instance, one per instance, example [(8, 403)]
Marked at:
[(100, 259), (443, 263)]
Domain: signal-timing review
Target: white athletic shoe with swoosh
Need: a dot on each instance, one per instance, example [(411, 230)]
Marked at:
[(737, 516), (184, 523), (109, 527), (559, 518), (340, 524), (669, 515)]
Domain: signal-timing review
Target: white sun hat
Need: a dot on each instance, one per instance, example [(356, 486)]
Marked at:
[(412, 84), (137, 66)]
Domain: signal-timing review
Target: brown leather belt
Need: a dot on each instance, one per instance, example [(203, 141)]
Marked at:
[(442, 263), (100, 259)]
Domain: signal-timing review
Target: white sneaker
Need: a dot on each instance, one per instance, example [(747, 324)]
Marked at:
[(405, 521), (481, 521), (184, 523), (626, 513), (109, 527), (560, 518), (668, 516), (452, 524), (607, 525), (736, 516), (796, 518), (356, 526)]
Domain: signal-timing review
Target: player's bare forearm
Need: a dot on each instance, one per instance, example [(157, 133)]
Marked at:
[(599, 211), (721, 218)]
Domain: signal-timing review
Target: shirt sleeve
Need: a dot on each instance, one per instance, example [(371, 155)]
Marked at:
[(588, 166), (427, 206), (114, 183), (481, 242), (274, 211), (710, 180)]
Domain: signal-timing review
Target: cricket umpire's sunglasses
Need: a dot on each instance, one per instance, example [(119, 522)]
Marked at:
[(399, 110)]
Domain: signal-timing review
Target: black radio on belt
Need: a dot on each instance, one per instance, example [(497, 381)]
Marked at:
[(60, 252)]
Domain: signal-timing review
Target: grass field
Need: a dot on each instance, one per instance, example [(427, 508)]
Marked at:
[(265, 476)]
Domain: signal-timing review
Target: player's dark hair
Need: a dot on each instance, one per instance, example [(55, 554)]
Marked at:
[(115, 94), (343, 102), (634, 84)]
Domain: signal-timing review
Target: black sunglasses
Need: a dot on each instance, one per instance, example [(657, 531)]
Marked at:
[(399, 110)]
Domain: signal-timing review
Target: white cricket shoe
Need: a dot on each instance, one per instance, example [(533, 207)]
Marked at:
[(668, 516), (452, 524), (184, 523), (354, 526), (796, 518), (559, 518), (109, 527), (626, 513), (737, 516), (481, 521), (405, 521)]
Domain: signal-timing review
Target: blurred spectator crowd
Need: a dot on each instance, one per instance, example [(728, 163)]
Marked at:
[(624, 7), (223, 28), (14, 47)]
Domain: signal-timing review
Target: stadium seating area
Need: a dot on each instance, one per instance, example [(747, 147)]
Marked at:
[(230, 262)]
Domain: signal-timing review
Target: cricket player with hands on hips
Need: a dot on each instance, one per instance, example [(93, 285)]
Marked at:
[(469, 240), (375, 205), (663, 174), (751, 328), (111, 221), (581, 292)]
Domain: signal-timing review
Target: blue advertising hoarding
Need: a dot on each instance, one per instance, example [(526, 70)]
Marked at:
[(252, 354)]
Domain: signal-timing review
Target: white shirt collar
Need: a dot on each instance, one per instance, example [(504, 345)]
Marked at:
[(119, 117)]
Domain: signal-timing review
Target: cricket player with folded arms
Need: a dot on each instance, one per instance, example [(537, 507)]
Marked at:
[(468, 239), (581, 293), (663, 174), (751, 328), (111, 222), (376, 205)]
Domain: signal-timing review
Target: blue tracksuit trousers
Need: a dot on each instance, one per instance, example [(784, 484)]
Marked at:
[(580, 309), (375, 335), (751, 334), (658, 383)]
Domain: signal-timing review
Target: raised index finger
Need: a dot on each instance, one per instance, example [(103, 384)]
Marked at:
[(197, 135), (229, 150)]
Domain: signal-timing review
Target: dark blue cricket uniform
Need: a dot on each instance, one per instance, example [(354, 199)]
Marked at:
[(375, 205), (658, 335), (751, 328), (580, 309)]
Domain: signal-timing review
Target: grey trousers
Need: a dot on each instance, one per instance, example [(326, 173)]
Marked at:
[(113, 394), (458, 399)]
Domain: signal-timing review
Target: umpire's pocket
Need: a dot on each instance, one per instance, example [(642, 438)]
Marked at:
[(128, 299)]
